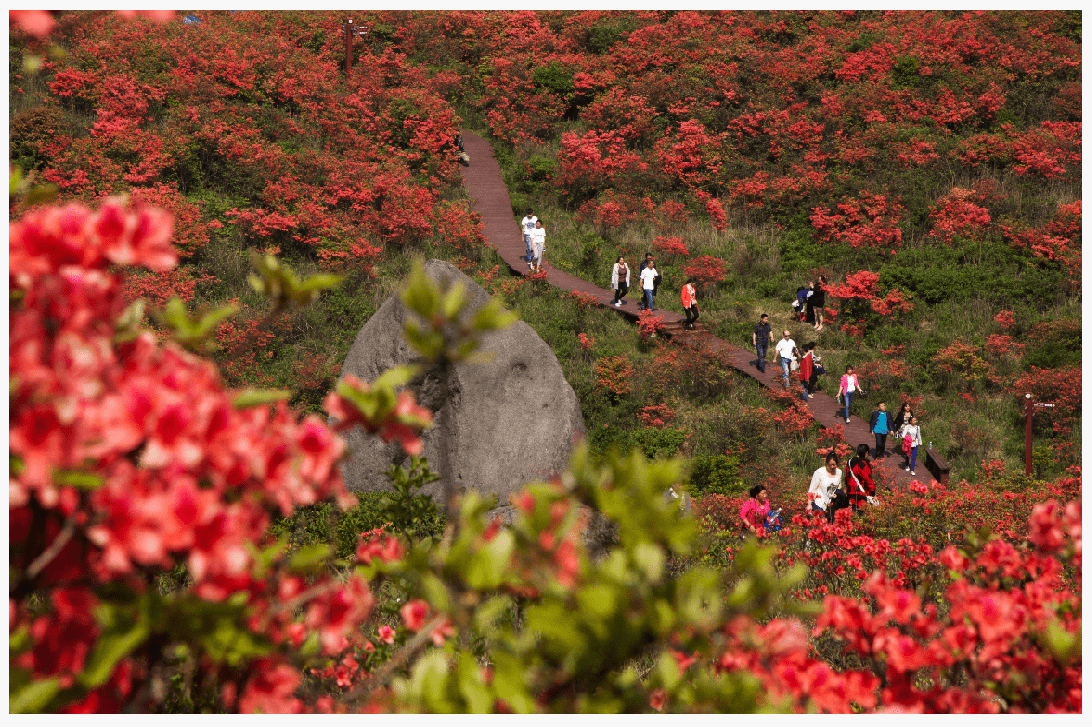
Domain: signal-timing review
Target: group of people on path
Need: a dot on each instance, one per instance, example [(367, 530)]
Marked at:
[(650, 279), (825, 490), (831, 490), (810, 299), (534, 237)]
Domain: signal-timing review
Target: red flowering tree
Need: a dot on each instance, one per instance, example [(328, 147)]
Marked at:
[(864, 305)]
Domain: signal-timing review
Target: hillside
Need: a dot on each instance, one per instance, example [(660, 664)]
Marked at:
[(181, 539), (927, 163)]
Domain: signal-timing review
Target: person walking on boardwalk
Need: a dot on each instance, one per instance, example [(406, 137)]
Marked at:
[(849, 387), (903, 417), (859, 482), (648, 285), (761, 339), (538, 244), (880, 425), (911, 440), (527, 226), (816, 301), (619, 280), (825, 484), (806, 362), (690, 304), (786, 349)]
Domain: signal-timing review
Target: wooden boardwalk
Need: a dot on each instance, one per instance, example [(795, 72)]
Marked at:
[(500, 228)]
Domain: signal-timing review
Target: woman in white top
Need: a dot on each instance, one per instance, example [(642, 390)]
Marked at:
[(619, 280), (648, 285), (912, 430), (538, 244), (824, 483)]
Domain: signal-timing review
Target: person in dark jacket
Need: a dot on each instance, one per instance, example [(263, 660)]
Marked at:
[(762, 338), (816, 302), (881, 425), (903, 417), (859, 484)]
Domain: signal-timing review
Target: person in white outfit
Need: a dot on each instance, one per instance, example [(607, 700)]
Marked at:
[(786, 349), (824, 484), (619, 280), (526, 226), (648, 286), (538, 244)]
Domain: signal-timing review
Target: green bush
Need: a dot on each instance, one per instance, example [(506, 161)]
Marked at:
[(716, 474), (555, 78)]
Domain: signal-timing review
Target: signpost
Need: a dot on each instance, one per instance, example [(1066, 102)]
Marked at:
[(1030, 405), (351, 31)]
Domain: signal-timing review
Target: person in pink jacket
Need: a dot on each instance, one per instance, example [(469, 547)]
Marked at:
[(849, 387), (690, 304)]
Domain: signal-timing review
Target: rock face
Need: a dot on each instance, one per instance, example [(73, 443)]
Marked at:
[(510, 421)]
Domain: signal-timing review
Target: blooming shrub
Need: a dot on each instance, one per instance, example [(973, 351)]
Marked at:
[(871, 220), (95, 517), (706, 270), (614, 374), (957, 215)]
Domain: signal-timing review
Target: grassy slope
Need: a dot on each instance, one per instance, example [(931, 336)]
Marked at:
[(957, 294)]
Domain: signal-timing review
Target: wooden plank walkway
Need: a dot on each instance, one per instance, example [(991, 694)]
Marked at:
[(500, 228)]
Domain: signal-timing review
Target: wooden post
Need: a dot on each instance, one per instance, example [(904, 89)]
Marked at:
[(1029, 407), (348, 49)]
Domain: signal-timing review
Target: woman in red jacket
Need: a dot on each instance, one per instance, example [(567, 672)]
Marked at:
[(805, 370), (859, 484), (690, 303)]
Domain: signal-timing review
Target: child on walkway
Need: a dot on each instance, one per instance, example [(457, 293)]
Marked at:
[(880, 425), (911, 440)]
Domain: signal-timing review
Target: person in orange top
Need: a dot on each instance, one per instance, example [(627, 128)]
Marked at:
[(690, 303)]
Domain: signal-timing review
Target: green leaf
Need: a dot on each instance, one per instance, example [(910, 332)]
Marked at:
[(43, 194), (1064, 645), (19, 642), (34, 697), (396, 376), (509, 681), (492, 317), (309, 557), (79, 480), (109, 650), (421, 295), (471, 685), (259, 397), (453, 302)]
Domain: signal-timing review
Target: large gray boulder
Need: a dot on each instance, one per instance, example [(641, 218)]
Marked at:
[(510, 421)]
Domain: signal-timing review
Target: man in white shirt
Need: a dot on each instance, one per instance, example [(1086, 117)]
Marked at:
[(527, 226), (786, 348), (648, 285)]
